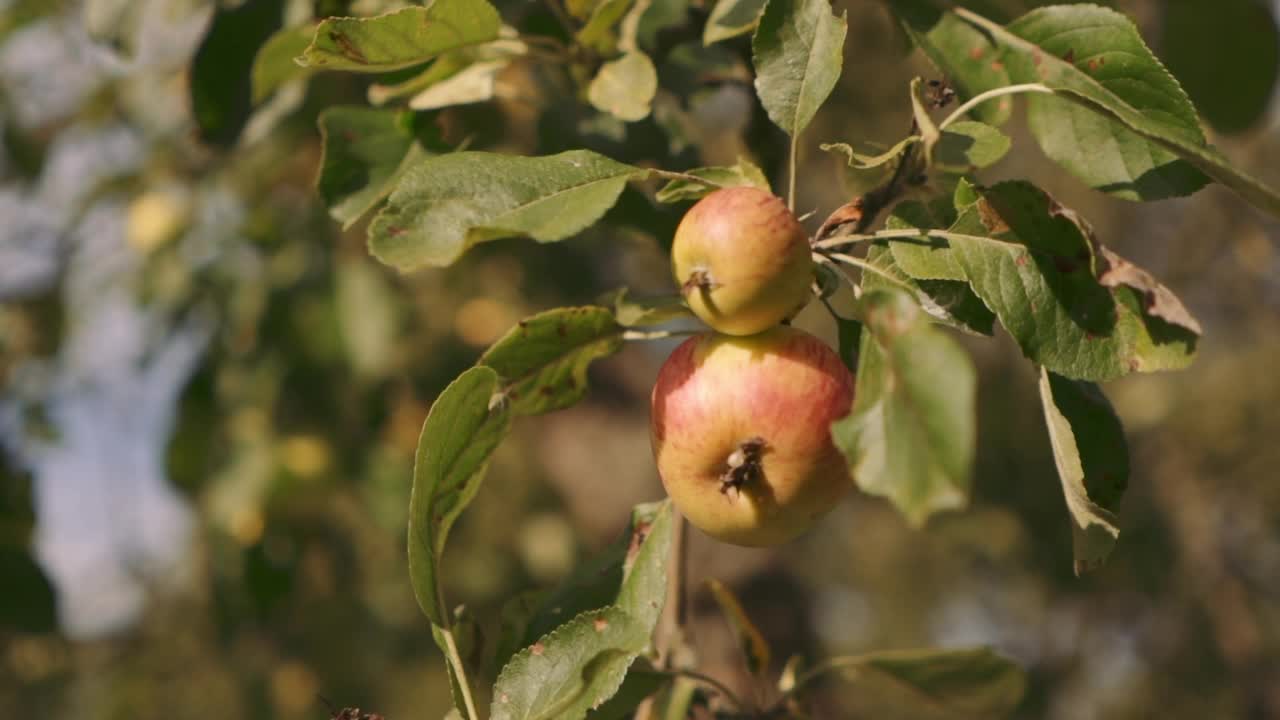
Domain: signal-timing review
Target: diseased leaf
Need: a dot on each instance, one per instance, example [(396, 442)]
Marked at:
[(797, 50), (576, 667), (363, 153), (274, 64), (580, 664), (936, 685), (625, 87), (446, 204), (1112, 65), (1160, 115), (744, 172), (543, 360), (731, 18), (401, 38), (1093, 463), (459, 435), (961, 52), (911, 433), (966, 146), (1158, 301), (1033, 263)]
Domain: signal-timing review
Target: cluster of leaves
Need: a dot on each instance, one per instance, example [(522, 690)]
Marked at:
[(965, 256)]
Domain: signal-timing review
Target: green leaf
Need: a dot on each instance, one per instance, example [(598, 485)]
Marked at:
[(731, 18), (274, 64), (364, 151), (402, 38), (577, 667), (1112, 67), (625, 87), (444, 205), (927, 265), (755, 649), (1227, 55), (848, 335), (543, 360), (961, 52), (1093, 462), (644, 312), (641, 683), (868, 162), (517, 612), (1082, 312), (581, 664), (966, 146), (797, 50), (936, 684), (910, 435), (610, 578), (598, 32), (459, 435), (457, 77), (948, 302), (744, 172), (659, 16), (1165, 130)]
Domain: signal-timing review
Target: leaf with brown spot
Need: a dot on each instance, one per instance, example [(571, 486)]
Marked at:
[(1158, 300), (401, 38)]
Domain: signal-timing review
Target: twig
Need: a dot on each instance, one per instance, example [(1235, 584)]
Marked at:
[(837, 241), (454, 657), (868, 267), (655, 334), (706, 680), (791, 172), (980, 98)]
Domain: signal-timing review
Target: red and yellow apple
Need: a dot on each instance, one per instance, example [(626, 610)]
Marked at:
[(741, 432), (742, 260)]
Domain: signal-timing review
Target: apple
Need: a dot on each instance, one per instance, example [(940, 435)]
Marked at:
[(741, 432), (742, 260)]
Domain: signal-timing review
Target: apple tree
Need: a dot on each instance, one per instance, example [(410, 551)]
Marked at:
[(759, 429)]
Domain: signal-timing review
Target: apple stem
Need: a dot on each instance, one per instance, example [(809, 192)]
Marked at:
[(791, 173), (743, 465), (699, 279)]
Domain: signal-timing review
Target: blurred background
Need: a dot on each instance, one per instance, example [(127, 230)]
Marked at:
[(210, 394)]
